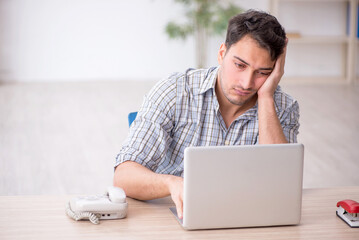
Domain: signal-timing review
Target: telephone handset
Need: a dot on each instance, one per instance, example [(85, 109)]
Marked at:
[(112, 205)]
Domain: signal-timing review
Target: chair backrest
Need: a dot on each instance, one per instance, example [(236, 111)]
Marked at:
[(131, 117)]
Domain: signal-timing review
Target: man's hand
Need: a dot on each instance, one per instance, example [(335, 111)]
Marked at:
[(175, 186), (269, 86)]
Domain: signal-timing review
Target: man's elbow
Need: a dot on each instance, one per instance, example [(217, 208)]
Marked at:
[(126, 176), (119, 178)]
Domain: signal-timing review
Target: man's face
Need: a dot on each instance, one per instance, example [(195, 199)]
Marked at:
[(244, 67)]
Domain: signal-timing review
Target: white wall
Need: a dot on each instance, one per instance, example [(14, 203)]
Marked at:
[(89, 39), (64, 40)]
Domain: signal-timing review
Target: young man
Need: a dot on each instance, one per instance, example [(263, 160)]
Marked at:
[(238, 102)]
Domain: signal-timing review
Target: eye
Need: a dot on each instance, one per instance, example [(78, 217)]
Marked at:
[(264, 73), (240, 66)]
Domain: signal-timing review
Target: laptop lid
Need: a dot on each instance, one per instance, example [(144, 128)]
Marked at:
[(242, 186)]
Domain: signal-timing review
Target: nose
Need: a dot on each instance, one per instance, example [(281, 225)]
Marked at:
[(247, 80)]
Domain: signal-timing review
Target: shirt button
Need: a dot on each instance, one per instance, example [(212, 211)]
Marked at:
[(226, 142)]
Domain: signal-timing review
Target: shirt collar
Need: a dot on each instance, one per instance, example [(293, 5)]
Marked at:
[(209, 81), (250, 113)]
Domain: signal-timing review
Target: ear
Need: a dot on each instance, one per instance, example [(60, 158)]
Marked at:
[(221, 53)]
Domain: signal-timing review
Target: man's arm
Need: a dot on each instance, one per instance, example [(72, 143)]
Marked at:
[(146, 146), (141, 183), (270, 129)]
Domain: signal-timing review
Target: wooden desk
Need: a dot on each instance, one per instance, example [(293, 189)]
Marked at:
[(43, 217)]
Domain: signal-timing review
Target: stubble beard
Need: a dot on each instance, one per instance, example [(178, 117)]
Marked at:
[(241, 100)]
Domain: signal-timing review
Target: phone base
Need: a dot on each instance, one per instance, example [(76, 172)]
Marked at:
[(112, 205)]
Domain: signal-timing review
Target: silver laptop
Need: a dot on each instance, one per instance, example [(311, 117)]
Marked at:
[(242, 186)]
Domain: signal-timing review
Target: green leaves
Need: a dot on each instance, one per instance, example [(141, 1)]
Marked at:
[(209, 15), (175, 30)]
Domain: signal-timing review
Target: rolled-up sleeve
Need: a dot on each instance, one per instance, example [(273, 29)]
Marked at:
[(290, 122), (150, 133)]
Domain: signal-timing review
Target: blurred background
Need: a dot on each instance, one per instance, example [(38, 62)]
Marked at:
[(71, 71)]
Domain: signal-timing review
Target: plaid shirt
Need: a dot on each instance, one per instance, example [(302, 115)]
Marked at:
[(182, 111)]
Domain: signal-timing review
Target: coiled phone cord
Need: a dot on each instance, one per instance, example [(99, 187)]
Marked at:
[(81, 215)]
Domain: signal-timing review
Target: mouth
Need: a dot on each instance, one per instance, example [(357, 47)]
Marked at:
[(242, 92)]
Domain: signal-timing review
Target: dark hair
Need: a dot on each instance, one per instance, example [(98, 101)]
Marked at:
[(262, 27)]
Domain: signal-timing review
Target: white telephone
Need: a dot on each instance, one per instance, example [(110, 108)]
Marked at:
[(112, 205)]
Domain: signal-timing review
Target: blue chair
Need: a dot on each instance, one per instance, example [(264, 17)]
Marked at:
[(131, 118)]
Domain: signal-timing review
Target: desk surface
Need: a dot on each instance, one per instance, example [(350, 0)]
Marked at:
[(43, 217)]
